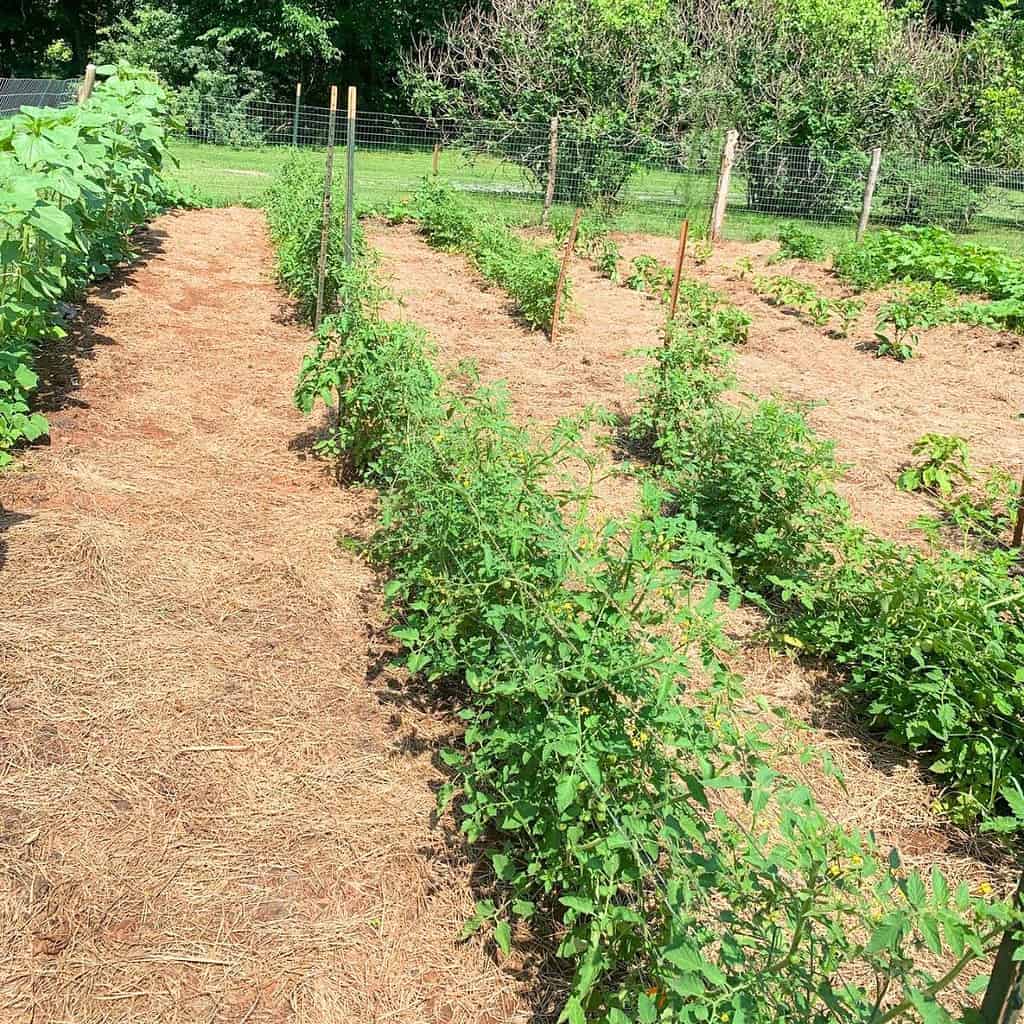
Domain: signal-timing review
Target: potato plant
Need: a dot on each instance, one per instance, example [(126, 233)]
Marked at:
[(74, 183), (605, 799)]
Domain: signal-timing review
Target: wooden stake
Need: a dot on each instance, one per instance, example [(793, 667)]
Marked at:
[(85, 89), (570, 245), (1018, 527), (350, 171), (295, 116), (722, 189), (549, 195), (683, 232), (869, 191), (1004, 997), (437, 157), (325, 224)]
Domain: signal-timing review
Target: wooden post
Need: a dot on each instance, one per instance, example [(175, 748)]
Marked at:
[(437, 157), (549, 195), (570, 245), (869, 191), (295, 116), (1018, 526), (722, 189), (85, 89), (325, 224), (350, 171), (683, 232), (1004, 998)]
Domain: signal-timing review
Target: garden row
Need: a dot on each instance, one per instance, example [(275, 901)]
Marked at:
[(74, 183), (933, 271), (692, 881), (932, 642)]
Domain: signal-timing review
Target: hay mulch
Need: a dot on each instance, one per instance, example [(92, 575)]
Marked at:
[(213, 807)]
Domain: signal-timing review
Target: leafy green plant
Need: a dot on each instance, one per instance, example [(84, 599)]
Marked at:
[(933, 256), (528, 273), (701, 251), (932, 641), (743, 267), (805, 300), (74, 183), (650, 275), (921, 306), (600, 792), (796, 243), (944, 465)]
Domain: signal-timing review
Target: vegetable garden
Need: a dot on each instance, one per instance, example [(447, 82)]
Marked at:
[(629, 806)]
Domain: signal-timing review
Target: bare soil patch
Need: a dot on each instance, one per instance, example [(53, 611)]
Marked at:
[(213, 807)]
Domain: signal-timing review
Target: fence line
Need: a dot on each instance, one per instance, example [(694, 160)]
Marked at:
[(678, 175), (16, 93)]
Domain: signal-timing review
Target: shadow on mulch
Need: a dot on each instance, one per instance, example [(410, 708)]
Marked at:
[(542, 977), (7, 520), (58, 361)]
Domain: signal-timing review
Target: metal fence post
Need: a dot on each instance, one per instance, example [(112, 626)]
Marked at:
[(325, 225), (85, 89), (869, 191), (722, 189), (350, 171), (549, 195), (295, 116)]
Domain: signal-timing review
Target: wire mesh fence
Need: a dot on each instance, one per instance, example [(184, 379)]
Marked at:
[(648, 184), (16, 93)]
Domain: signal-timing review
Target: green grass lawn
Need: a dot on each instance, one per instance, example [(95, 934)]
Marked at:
[(656, 200)]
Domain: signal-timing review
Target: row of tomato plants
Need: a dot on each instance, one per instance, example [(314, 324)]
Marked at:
[(74, 183), (932, 641), (686, 879)]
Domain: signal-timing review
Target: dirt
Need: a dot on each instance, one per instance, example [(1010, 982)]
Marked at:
[(215, 804), (967, 381)]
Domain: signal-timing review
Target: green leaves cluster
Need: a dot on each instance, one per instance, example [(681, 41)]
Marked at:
[(692, 882), (294, 205), (808, 303), (933, 256), (932, 642), (527, 272), (74, 183)]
